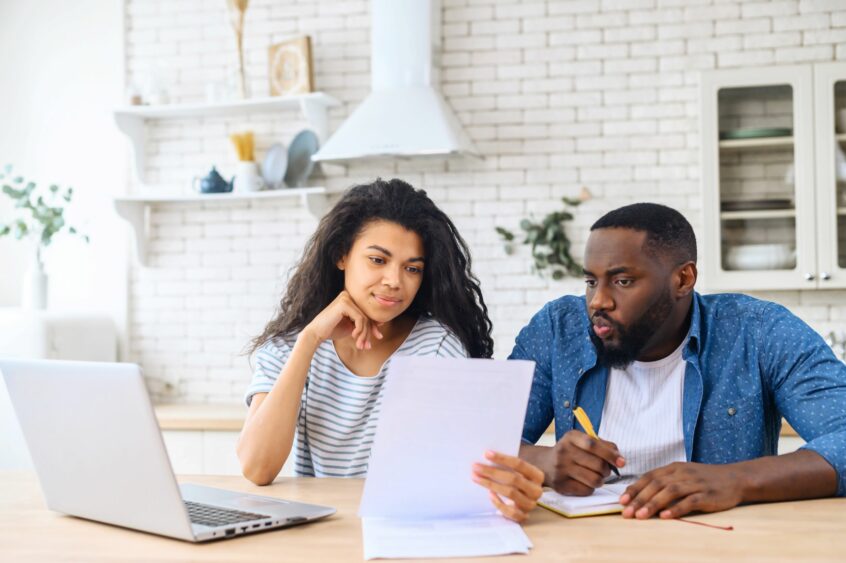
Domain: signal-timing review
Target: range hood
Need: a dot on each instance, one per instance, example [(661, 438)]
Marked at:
[(404, 115)]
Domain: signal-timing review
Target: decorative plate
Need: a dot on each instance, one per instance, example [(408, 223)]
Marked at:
[(756, 133)]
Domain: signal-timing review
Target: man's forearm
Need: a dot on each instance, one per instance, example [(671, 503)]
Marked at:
[(799, 475)]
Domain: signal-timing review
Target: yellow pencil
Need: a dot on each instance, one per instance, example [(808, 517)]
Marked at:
[(583, 419)]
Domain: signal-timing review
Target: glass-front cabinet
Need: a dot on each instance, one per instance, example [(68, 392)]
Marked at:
[(772, 220), (830, 114)]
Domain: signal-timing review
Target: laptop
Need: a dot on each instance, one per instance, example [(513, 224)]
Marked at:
[(98, 452)]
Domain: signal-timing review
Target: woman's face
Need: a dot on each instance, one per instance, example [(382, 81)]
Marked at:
[(384, 270)]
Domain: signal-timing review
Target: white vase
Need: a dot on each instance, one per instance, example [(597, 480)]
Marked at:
[(35, 283), (247, 178)]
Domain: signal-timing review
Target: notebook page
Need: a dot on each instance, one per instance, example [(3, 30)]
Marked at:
[(604, 498)]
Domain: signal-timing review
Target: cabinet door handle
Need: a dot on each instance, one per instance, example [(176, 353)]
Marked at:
[(809, 276), (825, 276)]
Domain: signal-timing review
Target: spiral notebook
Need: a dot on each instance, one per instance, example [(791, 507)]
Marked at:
[(605, 500)]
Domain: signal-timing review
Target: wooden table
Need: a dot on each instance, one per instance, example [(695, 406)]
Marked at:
[(798, 531)]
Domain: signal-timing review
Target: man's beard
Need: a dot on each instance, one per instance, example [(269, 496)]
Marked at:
[(632, 339)]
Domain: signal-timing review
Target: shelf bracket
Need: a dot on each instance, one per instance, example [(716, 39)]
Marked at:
[(137, 214), (317, 204), (134, 128)]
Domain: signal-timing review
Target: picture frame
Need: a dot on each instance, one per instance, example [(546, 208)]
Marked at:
[(290, 67)]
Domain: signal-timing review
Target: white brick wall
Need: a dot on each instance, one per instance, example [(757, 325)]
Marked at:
[(556, 94)]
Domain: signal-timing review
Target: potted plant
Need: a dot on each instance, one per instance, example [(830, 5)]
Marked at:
[(38, 217), (550, 245)]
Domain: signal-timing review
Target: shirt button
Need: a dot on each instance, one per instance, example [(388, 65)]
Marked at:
[(732, 411), (581, 371), (566, 404)]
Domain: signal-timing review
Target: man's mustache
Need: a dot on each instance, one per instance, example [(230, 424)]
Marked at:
[(606, 318)]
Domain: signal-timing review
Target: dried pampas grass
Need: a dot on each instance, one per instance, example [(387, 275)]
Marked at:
[(237, 10)]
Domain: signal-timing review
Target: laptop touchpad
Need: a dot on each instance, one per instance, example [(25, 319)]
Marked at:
[(250, 503)]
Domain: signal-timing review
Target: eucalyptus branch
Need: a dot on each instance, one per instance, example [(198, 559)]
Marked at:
[(550, 245), (39, 214)]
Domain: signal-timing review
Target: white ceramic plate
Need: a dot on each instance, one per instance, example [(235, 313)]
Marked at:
[(760, 257), (274, 166), (300, 165)]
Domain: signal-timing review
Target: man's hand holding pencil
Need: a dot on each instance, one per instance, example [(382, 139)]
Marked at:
[(579, 462)]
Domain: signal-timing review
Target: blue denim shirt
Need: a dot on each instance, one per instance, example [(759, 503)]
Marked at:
[(749, 363)]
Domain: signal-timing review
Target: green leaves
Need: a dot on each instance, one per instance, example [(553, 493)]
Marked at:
[(550, 246), (20, 229), (40, 215), (507, 235)]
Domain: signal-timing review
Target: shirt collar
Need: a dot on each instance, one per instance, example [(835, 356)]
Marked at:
[(693, 333)]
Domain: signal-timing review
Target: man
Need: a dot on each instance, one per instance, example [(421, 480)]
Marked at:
[(686, 391)]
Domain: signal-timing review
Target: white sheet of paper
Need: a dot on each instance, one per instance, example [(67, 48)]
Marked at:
[(439, 415), (457, 537)]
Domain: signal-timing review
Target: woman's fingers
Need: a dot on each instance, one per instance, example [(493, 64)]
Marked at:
[(507, 481), (358, 323), (511, 492), (343, 317), (361, 330), (513, 479), (363, 340), (508, 510), (521, 466)]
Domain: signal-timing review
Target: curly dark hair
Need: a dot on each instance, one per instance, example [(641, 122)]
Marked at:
[(449, 293)]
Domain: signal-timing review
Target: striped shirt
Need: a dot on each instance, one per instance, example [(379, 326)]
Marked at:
[(338, 409), (643, 413)]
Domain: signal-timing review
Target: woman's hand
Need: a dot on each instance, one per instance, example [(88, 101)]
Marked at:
[(342, 318), (520, 482)]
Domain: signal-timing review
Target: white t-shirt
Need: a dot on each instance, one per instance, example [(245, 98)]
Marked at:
[(338, 409), (643, 413)]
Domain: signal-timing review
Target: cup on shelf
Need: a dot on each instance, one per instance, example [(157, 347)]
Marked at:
[(247, 177), (218, 92)]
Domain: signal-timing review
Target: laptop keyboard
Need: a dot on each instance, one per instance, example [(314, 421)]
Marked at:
[(207, 515)]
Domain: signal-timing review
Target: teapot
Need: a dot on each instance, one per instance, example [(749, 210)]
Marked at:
[(212, 183)]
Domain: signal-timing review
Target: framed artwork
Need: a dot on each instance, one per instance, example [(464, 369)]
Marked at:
[(290, 67)]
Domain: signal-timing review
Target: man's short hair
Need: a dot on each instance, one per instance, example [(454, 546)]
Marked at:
[(668, 233)]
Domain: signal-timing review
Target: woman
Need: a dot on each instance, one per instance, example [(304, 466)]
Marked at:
[(385, 274)]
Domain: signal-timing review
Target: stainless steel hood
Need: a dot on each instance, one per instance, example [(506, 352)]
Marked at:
[(404, 115)]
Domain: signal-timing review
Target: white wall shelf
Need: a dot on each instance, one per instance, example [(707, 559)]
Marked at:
[(131, 120), (762, 142), (763, 214), (136, 209)]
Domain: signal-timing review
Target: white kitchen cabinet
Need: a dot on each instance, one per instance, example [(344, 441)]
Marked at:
[(208, 452), (774, 213), (200, 439)]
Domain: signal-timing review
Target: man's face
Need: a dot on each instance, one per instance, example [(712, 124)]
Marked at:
[(627, 295)]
